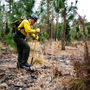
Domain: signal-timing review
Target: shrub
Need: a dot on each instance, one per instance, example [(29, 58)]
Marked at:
[(88, 28), (7, 29), (11, 43), (43, 36)]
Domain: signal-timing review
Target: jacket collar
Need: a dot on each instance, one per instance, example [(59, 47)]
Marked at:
[(30, 22)]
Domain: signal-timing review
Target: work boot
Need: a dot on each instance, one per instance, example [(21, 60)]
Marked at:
[(21, 66), (26, 64)]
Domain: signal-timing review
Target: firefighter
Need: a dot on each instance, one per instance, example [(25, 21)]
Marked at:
[(25, 29)]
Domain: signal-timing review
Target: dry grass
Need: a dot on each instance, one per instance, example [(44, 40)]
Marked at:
[(81, 80), (74, 84), (39, 62), (56, 71), (82, 68)]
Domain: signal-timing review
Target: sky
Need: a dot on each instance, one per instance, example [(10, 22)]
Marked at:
[(83, 7)]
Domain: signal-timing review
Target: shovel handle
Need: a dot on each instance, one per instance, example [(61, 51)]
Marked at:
[(33, 51)]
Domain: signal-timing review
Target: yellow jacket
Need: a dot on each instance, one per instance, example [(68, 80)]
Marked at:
[(28, 29)]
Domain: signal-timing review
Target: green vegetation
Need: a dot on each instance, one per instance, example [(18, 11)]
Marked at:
[(68, 33), (88, 28), (59, 31), (78, 34), (43, 36), (8, 37)]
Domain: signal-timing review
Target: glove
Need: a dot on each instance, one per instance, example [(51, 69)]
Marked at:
[(37, 30), (36, 37)]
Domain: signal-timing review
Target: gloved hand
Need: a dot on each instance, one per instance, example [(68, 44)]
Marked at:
[(36, 37), (37, 30)]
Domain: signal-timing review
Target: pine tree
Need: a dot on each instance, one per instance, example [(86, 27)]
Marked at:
[(65, 11), (22, 8), (67, 33), (47, 17)]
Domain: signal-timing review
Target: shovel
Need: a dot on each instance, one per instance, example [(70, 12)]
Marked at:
[(33, 53)]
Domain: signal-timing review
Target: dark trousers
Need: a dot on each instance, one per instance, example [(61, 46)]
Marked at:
[(22, 47)]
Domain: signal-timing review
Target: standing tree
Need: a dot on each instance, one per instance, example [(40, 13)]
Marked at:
[(22, 8), (52, 26), (67, 33), (66, 13), (82, 24), (28, 6), (0, 18), (2, 21), (46, 18), (59, 30), (57, 17), (9, 4)]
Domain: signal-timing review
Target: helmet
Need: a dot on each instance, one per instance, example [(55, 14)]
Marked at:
[(35, 17)]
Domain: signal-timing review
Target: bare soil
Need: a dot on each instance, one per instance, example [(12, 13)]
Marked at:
[(44, 77)]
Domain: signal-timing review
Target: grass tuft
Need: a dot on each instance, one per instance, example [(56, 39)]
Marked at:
[(39, 61)]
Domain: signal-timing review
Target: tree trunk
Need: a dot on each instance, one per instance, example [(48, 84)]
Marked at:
[(63, 34), (86, 47), (56, 25), (48, 29), (0, 17), (52, 27)]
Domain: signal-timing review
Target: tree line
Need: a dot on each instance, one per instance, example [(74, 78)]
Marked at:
[(49, 12)]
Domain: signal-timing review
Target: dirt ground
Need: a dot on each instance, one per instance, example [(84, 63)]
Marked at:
[(49, 75)]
